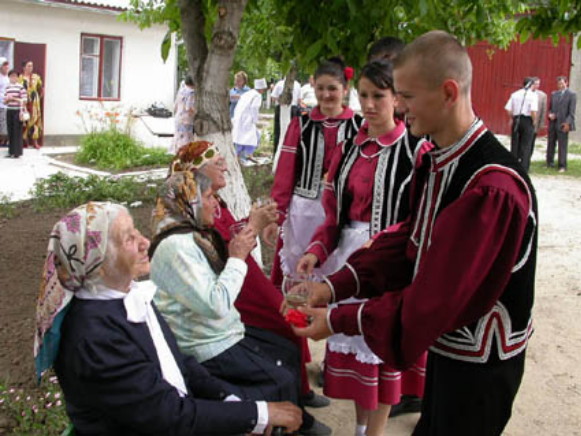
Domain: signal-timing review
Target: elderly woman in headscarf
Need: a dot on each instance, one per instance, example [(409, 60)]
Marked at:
[(115, 357), (259, 300), (198, 279)]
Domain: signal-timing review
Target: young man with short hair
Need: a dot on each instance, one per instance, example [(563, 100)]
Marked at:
[(457, 277)]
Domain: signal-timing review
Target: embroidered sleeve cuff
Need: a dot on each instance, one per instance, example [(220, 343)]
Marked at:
[(344, 282), (345, 319), (262, 420), (332, 288), (318, 249)]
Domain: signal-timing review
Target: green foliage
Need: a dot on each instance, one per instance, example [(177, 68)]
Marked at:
[(574, 148), (551, 18), (258, 179), (34, 411), (7, 207), (111, 149), (62, 191)]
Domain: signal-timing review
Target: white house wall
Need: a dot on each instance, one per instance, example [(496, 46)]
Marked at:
[(144, 77)]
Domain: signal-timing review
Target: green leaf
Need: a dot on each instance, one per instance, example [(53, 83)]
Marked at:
[(166, 46)]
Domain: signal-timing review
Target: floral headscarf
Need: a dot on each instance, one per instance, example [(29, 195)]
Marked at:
[(192, 156), (176, 211), (76, 251)]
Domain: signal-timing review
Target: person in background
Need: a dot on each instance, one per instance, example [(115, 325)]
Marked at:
[(541, 121), (386, 48), (310, 143), (15, 101), (368, 191), (522, 107), (240, 87), (184, 111), (275, 96), (456, 278), (32, 82), (561, 122), (116, 359), (308, 97), (245, 133), (4, 80)]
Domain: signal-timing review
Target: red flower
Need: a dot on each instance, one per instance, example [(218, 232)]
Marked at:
[(349, 73), (296, 318)]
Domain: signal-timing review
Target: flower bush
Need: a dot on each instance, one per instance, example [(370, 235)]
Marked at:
[(108, 144), (34, 411)]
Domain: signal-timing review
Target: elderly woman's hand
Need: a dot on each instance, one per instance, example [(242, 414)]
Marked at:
[(262, 216), (242, 244)]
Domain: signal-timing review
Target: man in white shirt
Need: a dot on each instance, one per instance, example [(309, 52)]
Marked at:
[(4, 67), (522, 107), (308, 98)]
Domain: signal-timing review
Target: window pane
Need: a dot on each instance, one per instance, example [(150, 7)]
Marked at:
[(111, 59), (89, 76), (90, 45)]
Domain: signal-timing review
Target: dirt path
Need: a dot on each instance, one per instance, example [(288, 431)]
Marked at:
[(549, 402)]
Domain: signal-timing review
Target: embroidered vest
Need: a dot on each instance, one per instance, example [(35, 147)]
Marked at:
[(391, 183), (311, 152), (508, 325)]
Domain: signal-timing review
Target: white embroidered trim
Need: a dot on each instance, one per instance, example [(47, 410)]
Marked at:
[(348, 265), (333, 297)]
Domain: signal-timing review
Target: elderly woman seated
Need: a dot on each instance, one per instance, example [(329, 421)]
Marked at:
[(115, 357), (198, 280), (259, 300)]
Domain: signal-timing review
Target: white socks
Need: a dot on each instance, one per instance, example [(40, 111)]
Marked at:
[(360, 430)]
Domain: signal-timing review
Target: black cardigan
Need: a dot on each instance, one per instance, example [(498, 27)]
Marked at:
[(110, 374)]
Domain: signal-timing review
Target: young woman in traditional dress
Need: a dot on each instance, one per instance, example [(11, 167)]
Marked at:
[(368, 191), (310, 143)]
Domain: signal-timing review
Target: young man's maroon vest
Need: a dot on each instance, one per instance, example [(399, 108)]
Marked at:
[(506, 328)]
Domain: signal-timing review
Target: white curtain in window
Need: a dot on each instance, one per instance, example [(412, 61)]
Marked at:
[(111, 60)]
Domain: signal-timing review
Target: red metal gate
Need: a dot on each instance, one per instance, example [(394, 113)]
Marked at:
[(498, 73)]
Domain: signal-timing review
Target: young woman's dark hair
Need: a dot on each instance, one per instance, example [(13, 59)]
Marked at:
[(189, 81), (25, 62), (334, 67), (380, 73)]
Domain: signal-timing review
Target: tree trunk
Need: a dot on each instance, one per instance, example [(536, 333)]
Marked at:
[(210, 65)]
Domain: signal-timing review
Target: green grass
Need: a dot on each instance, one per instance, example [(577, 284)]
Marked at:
[(574, 148), (114, 150), (34, 410), (539, 168), (62, 191), (7, 207)]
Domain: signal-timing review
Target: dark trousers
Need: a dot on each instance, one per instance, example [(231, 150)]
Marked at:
[(560, 138), (14, 126), (521, 139), (462, 398)]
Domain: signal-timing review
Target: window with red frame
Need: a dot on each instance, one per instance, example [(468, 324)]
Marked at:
[(100, 67)]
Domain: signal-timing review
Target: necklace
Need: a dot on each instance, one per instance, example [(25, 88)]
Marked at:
[(370, 156), (328, 124)]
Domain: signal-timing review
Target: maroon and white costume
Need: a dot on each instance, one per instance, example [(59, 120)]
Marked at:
[(310, 142), (456, 278), (367, 191)]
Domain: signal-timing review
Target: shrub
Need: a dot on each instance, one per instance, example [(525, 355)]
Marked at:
[(62, 191), (34, 411), (112, 149)]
